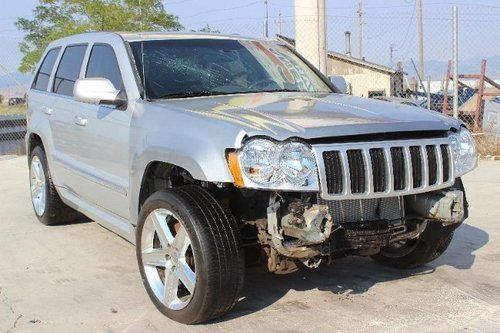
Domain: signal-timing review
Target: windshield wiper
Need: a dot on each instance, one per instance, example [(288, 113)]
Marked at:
[(214, 93), (192, 94)]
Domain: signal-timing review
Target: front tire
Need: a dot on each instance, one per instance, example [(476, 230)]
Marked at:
[(190, 254), (413, 253), (48, 206)]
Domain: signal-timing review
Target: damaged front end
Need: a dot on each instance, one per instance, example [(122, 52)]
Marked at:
[(308, 229)]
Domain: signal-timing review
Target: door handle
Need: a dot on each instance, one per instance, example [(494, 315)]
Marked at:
[(48, 111), (80, 121)]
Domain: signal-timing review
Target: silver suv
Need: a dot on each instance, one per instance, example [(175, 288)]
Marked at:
[(210, 151)]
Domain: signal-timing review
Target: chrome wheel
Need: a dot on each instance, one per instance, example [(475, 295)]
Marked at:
[(168, 259), (37, 186)]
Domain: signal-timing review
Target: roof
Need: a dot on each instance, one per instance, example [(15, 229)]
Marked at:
[(349, 59), (136, 36)]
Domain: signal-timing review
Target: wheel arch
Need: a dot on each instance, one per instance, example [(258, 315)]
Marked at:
[(33, 140), (159, 175)]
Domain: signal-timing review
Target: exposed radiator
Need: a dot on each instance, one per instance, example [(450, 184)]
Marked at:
[(358, 210)]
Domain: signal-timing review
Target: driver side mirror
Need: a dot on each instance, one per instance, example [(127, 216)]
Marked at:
[(340, 83), (97, 91)]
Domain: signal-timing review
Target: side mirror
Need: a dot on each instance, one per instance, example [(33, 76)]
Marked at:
[(340, 83), (97, 91)]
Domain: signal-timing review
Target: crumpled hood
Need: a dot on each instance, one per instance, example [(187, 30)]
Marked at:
[(311, 115)]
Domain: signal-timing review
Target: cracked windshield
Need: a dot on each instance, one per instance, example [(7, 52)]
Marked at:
[(188, 68)]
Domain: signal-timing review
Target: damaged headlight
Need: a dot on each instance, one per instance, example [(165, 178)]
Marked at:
[(263, 163), (464, 152)]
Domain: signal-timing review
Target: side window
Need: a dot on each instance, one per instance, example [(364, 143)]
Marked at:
[(103, 63), (69, 69), (42, 77)]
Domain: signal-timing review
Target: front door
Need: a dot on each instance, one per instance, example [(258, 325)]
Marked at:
[(103, 145)]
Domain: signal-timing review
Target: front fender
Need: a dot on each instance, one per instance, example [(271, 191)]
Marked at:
[(202, 157)]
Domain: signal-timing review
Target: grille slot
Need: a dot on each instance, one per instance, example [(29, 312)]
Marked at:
[(398, 168), (416, 162), (432, 164), (356, 170), (445, 158), (379, 170), (334, 172), (384, 169)]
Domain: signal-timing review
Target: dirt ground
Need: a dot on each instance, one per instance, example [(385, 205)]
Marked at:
[(83, 278)]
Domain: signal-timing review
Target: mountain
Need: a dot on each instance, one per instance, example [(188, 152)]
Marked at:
[(14, 79), (437, 69)]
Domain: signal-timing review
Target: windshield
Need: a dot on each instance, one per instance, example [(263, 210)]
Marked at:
[(204, 67)]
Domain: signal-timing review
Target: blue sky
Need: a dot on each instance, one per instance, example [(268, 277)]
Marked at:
[(386, 22)]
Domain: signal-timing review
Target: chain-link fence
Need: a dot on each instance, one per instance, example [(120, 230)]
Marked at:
[(383, 64)]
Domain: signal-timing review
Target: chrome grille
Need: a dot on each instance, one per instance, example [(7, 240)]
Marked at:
[(384, 169)]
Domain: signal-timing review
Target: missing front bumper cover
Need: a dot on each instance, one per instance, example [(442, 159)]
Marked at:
[(445, 206)]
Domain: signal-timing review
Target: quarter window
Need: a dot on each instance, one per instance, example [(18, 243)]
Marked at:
[(69, 69), (43, 76), (103, 63)]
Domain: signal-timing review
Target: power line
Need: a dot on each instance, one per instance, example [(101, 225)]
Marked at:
[(222, 9), (408, 28)]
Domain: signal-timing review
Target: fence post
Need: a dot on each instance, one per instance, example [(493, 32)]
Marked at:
[(428, 92), (455, 61)]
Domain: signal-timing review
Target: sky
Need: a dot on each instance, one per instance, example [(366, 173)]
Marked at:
[(386, 23)]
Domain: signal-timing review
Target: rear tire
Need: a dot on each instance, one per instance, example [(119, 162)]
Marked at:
[(417, 252), (48, 206), (216, 259)]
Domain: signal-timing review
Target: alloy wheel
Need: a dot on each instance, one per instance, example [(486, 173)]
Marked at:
[(168, 259), (37, 185)]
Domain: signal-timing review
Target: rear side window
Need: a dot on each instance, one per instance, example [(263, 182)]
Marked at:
[(103, 63), (69, 69), (42, 77)]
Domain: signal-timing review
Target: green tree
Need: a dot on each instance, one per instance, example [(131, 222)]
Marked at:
[(209, 29), (53, 19)]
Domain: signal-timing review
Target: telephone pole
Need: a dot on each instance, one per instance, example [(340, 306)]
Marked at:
[(420, 41), (266, 22), (280, 23), (360, 29)]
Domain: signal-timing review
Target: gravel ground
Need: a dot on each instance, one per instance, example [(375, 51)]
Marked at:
[(83, 278)]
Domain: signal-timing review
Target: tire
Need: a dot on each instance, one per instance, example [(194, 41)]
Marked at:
[(215, 244), (51, 210), (414, 253)]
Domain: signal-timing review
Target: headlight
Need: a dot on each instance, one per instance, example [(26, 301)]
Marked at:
[(297, 163), (266, 164), (259, 161), (464, 152)]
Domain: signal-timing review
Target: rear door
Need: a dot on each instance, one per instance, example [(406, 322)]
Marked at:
[(66, 133)]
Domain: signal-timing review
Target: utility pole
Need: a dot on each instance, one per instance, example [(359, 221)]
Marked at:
[(420, 41), (280, 23), (360, 29), (455, 60), (266, 21)]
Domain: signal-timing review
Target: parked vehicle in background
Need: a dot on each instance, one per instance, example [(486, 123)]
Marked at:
[(200, 148), (16, 101), (491, 117)]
